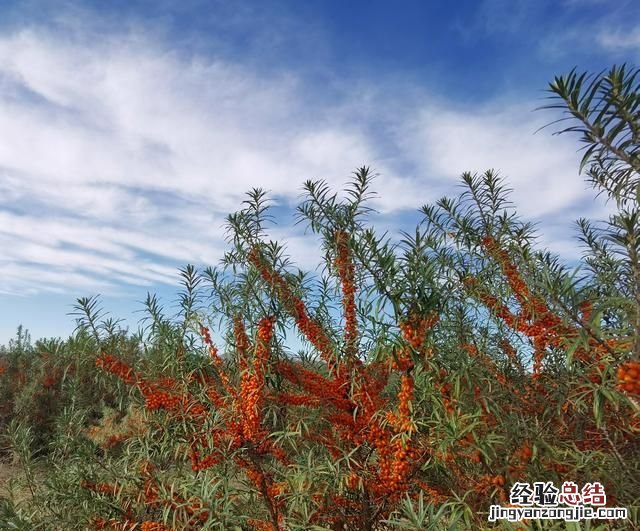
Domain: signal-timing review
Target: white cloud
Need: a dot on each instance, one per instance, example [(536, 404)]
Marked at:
[(619, 40), (540, 168), (126, 149), (609, 35), (121, 158)]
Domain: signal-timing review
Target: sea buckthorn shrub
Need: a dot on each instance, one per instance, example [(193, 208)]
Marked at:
[(51, 388), (434, 371)]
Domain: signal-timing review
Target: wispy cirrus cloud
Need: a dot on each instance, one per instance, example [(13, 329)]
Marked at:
[(122, 156), (617, 39), (129, 151), (449, 142), (605, 30)]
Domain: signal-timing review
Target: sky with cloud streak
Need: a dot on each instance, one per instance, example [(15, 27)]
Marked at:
[(130, 129)]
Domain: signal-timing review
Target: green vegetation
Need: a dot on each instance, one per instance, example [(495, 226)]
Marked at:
[(438, 370)]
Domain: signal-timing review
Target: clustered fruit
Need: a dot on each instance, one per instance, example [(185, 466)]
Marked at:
[(629, 377), (346, 272)]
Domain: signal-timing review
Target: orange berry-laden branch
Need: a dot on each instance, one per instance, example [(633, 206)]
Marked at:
[(346, 272), (242, 414), (252, 384), (535, 319), (356, 401), (358, 418), (311, 329)]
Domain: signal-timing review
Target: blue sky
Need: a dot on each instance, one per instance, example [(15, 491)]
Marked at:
[(132, 128)]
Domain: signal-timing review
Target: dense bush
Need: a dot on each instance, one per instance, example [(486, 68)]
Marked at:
[(436, 371)]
